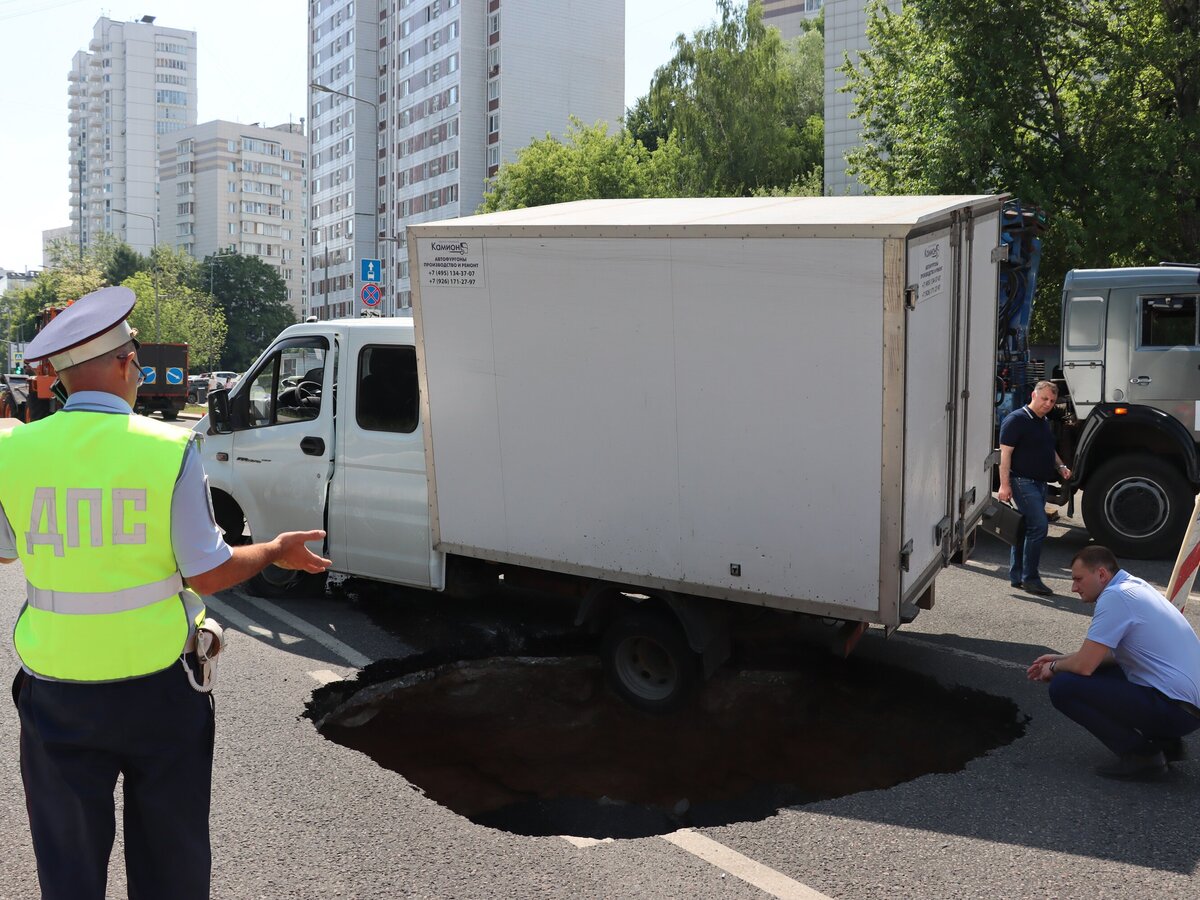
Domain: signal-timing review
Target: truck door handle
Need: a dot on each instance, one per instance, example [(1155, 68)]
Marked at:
[(313, 446), (1140, 379)]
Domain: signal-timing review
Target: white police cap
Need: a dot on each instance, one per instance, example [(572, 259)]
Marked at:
[(91, 326)]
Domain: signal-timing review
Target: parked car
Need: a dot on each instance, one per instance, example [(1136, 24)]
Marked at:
[(197, 388)]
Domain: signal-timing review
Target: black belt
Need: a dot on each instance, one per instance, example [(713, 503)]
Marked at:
[(1187, 707)]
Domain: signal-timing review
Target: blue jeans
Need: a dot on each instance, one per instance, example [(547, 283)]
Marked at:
[(1029, 496), (1125, 717)]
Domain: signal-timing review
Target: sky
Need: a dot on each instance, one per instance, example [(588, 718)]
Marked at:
[(251, 62)]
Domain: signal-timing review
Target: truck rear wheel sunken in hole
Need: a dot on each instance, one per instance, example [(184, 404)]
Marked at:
[(648, 662)]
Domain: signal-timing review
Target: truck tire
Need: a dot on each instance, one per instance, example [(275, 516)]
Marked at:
[(170, 415), (275, 583), (1138, 506), (648, 662)]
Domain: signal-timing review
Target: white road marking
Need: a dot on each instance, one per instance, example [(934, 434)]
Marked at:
[(978, 657), (582, 842), (224, 614), (754, 873), (342, 649), (227, 615), (325, 676)]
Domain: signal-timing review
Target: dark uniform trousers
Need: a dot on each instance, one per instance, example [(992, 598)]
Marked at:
[(75, 739)]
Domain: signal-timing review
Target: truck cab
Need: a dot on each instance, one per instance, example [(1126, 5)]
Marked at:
[(343, 391), (1130, 379)]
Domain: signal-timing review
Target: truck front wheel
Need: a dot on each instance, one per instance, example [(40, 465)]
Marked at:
[(648, 662), (1138, 506)]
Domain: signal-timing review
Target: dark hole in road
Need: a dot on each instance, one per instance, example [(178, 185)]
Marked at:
[(540, 747)]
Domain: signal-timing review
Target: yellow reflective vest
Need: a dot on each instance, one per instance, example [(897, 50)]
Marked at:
[(88, 497)]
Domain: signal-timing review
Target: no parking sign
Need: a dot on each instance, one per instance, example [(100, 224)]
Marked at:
[(371, 295)]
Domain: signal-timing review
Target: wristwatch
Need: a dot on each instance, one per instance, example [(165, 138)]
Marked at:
[(1052, 662)]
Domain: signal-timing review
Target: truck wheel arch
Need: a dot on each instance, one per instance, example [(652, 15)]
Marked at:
[(1107, 435)]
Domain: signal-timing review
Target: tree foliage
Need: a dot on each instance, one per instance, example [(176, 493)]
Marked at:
[(744, 106), (590, 163), (1091, 111), (253, 299), (185, 311), (182, 314)]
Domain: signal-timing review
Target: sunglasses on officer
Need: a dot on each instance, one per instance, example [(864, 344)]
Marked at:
[(124, 356)]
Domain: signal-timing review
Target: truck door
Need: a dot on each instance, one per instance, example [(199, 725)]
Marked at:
[(1083, 349), (930, 410), (1164, 357), (975, 392), (283, 428), (380, 490)]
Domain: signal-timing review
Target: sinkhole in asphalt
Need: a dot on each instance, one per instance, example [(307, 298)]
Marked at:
[(539, 746)]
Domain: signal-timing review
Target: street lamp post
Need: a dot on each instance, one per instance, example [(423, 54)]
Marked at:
[(154, 235), (324, 89), (395, 294), (212, 265)]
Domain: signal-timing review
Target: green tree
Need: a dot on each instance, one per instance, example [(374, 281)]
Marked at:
[(124, 262), (740, 102), (590, 163), (253, 299), (1087, 110), (183, 314)]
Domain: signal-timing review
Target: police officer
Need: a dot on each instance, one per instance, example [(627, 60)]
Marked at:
[(110, 516)]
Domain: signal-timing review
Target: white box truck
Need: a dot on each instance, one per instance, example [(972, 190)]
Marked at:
[(668, 409)]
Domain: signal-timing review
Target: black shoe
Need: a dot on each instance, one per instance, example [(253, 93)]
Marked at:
[(1015, 585), (1134, 766), (1036, 587)]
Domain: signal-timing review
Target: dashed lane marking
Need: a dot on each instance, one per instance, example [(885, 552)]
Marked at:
[(330, 643), (227, 615), (748, 870), (325, 676), (582, 842), (969, 654)]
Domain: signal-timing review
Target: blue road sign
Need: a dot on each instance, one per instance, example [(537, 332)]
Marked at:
[(174, 375), (371, 270), (151, 376), (371, 294)]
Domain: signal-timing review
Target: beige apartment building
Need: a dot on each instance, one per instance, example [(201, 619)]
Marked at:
[(226, 186)]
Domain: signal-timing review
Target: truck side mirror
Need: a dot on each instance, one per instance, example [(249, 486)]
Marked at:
[(218, 411)]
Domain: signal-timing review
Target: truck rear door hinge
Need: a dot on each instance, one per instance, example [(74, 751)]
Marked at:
[(966, 501), (1000, 254), (910, 297), (941, 529), (905, 555)]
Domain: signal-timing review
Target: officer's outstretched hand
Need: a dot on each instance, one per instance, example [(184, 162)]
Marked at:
[(294, 555)]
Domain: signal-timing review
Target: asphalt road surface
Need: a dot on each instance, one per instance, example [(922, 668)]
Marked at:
[(295, 815)]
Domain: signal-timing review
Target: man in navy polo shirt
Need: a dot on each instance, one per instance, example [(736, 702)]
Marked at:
[(1027, 462), (1135, 681)]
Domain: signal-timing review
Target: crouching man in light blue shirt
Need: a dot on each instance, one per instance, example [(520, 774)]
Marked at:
[(1135, 682)]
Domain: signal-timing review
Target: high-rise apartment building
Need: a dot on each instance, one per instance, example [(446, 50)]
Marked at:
[(425, 99), (789, 16), (225, 186), (845, 36), (134, 85)]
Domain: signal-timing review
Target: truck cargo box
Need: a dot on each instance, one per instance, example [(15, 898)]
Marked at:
[(779, 401)]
